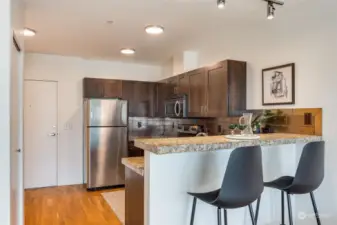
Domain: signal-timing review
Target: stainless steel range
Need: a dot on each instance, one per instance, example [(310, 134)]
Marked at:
[(105, 130)]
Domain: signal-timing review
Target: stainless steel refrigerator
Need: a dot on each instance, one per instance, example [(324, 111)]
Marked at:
[(105, 131)]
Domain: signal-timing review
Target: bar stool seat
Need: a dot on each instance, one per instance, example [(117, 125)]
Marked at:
[(208, 197), (241, 186), (281, 183)]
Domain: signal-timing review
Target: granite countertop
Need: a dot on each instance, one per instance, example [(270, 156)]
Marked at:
[(135, 163), (212, 143)]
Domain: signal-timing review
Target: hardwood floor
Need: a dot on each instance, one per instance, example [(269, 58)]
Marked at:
[(68, 205)]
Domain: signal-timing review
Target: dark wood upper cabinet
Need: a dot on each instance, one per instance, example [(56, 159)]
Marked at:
[(102, 88), (226, 89), (163, 92), (140, 96), (197, 96), (183, 84), (93, 88), (172, 85), (237, 87), (112, 88), (142, 99), (216, 90), (128, 94)]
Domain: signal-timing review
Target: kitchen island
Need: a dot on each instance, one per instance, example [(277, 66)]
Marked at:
[(175, 166)]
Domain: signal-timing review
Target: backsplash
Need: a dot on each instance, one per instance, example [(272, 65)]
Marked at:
[(156, 127), (299, 121)]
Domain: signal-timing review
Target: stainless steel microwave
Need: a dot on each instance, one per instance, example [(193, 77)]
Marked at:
[(176, 107)]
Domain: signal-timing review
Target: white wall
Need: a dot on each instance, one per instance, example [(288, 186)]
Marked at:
[(5, 46), (69, 72), (309, 39), (11, 14)]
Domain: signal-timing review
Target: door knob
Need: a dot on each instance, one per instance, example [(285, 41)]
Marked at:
[(52, 134)]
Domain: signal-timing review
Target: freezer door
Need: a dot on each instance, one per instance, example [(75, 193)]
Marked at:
[(107, 112), (106, 148)]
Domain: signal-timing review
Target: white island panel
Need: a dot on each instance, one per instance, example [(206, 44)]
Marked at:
[(169, 177)]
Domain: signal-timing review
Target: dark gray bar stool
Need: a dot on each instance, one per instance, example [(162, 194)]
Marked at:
[(308, 177), (242, 183)]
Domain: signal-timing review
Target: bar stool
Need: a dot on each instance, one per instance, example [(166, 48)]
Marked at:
[(242, 184), (308, 177)]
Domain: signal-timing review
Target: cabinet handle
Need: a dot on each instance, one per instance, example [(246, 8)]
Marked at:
[(202, 109)]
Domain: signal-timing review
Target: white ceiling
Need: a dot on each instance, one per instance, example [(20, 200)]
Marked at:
[(78, 27)]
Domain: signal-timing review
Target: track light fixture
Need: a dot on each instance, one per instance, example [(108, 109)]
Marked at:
[(221, 4), (270, 11), (271, 8)]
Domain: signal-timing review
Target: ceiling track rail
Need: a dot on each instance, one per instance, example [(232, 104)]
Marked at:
[(277, 2)]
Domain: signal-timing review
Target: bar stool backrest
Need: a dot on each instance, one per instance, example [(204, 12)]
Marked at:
[(310, 170), (243, 180)]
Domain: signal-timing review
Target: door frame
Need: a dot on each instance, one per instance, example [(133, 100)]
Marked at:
[(19, 154), (57, 126)]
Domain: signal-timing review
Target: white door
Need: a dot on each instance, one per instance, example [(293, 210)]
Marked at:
[(40, 134), (16, 120)]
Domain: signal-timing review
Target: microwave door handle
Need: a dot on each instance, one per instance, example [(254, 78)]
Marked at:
[(175, 108), (179, 109)]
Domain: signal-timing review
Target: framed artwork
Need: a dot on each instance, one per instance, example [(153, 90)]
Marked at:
[(278, 85)]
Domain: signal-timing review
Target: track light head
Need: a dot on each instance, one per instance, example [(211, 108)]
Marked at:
[(270, 11), (221, 4)]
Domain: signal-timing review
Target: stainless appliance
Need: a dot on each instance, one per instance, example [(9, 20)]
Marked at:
[(176, 107), (105, 124), (188, 130)]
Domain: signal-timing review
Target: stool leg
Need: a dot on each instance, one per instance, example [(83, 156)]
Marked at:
[(251, 214), (257, 209), (315, 208), (219, 216), (282, 208), (225, 216), (193, 210), (290, 212)]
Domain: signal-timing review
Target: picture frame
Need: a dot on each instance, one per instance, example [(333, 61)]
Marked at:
[(278, 85)]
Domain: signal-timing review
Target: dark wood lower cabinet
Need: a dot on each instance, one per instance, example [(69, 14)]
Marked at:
[(134, 198)]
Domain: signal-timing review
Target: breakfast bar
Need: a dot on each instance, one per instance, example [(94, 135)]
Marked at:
[(175, 166)]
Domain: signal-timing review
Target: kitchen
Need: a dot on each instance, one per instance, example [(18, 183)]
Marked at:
[(186, 105), (184, 97)]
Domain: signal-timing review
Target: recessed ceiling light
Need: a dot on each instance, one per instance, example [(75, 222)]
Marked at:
[(128, 51), (154, 29), (27, 32)]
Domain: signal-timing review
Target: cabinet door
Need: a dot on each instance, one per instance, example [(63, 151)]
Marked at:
[(184, 84), (172, 85), (217, 96), (93, 88), (164, 91), (112, 88), (142, 99), (237, 82), (197, 98), (128, 94)]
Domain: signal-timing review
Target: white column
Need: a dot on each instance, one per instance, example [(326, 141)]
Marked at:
[(5, 46), (169, 177)]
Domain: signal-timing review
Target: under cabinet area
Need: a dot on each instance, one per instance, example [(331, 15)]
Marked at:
[(212, 91)]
